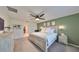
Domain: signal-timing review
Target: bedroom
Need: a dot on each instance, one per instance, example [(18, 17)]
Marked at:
[(55, 28)]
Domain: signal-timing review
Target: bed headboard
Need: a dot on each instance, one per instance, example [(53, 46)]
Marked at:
[(53, 27), (45, 29)]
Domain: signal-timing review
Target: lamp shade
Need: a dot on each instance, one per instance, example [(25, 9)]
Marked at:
[(61, 27)]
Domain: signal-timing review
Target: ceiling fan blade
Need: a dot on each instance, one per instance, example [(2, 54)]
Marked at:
[(42, 18), (41, 15), (31, 12), (33, 15), (41, 12)]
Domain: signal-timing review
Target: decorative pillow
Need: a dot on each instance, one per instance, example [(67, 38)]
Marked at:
[(50, 30), (43, 29)]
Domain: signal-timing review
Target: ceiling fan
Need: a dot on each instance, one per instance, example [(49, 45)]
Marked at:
[(38, 16)]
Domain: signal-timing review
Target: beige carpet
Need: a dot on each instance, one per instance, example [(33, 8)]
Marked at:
[(24, 45)]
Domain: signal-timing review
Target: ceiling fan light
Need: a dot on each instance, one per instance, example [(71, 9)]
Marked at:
[(37, 18)]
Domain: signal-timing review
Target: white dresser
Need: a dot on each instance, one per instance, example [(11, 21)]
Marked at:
[(63, 38)]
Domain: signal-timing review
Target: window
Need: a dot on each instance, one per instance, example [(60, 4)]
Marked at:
[(1, 24)]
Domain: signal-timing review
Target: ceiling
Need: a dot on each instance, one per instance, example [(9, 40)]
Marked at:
[(51, 12)]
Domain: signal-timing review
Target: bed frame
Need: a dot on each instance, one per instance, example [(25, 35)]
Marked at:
[(40, 42)]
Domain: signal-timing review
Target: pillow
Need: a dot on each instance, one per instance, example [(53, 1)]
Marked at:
[(43, 29), (50, 30)]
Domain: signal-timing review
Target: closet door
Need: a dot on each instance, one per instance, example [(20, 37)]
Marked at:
[(1, 24)]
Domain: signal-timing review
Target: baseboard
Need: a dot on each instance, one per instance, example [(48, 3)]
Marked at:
[(77, 46)]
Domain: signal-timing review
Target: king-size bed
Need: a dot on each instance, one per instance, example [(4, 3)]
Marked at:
[(44, 39)]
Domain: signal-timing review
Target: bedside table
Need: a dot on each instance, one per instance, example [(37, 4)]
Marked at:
[(63, 38)]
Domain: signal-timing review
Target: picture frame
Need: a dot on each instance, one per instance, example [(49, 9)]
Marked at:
[(48, 23), (44, 24), (53, 23)]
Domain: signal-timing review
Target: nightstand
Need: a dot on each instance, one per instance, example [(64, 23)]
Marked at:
[(62, 38)]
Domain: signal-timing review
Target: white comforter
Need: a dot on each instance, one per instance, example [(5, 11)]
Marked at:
[(44, 35), (45, 38)]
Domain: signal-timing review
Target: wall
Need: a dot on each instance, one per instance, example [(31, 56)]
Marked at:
[(31, 25), (4, 16), (14, 21), (72, 27)]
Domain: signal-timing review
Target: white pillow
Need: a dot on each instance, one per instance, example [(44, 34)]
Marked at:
[(43, 29), (50, 30)]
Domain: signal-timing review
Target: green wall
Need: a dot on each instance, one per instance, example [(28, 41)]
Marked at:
[(72, 27)]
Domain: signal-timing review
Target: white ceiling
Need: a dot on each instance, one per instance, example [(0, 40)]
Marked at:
[(51, 12)]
